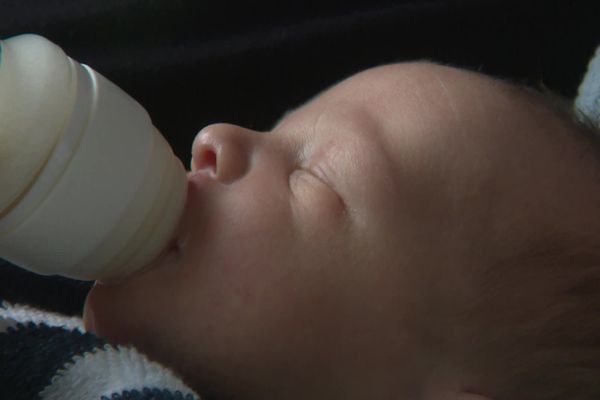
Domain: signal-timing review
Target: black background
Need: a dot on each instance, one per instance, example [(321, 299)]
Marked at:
[(191, 63)]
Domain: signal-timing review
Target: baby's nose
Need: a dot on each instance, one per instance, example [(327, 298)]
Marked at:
[(224, 150)]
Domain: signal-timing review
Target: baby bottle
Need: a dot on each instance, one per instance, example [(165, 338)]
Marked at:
[(89, 189)]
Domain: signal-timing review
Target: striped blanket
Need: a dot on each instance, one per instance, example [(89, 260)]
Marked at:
[(48, 356)]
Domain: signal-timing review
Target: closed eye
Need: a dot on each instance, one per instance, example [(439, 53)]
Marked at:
[(318, 173), (311, 182)]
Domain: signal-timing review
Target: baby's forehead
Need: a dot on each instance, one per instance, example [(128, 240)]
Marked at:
[(395, 103), (424, 107), (404, 96), (419, 87), (400, 95)]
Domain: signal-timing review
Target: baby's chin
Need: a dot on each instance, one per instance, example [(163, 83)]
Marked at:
[(105, 307), (89, 322), (100, 316), (111, 320), (93, 316)]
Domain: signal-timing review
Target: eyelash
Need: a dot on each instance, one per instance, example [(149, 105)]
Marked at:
[(310, 172)]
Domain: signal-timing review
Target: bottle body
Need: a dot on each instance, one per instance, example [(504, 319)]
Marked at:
[(109, 193)]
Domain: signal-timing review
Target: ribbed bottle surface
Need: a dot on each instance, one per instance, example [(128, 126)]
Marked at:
[(90, 189)]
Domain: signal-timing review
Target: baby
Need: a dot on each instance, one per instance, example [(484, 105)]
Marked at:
[(414, 232)]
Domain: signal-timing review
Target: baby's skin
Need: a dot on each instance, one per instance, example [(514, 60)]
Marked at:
[(326, 258)]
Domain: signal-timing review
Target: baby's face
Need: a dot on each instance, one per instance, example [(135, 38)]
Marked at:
[(313, 258)]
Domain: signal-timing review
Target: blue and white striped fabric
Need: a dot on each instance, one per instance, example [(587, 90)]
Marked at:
[(47, 356)]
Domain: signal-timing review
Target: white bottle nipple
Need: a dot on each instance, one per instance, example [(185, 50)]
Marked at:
[(89, 189)]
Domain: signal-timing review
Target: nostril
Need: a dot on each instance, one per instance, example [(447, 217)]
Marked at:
[(205, 158), (222, 150), (209, 159)]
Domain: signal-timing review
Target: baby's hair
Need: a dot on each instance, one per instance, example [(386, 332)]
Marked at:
[(534, 325), (538, 326)]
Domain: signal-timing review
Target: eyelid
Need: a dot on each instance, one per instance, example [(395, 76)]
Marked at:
[(320, 175), (305, 163), (317, 171)]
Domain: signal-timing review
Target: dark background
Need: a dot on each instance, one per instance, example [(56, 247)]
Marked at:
[(192, 62)]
